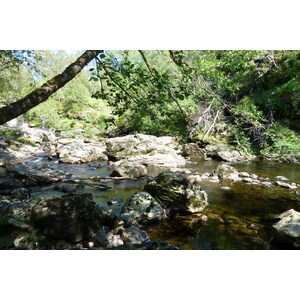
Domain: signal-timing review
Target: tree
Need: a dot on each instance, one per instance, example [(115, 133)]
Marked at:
[(42, 93)]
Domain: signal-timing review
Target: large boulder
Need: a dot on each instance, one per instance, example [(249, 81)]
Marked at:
[(71, 217), (177, 192), (142, 208), (226, 172), (159, 160), (129, 169), (287, 230), (230, 156), (140, 144), (193, 151), (79, 151)]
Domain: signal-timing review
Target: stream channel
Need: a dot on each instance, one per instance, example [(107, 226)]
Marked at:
[(237, 217)]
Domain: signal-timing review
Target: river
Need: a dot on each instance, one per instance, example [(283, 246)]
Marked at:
[(237, 217)]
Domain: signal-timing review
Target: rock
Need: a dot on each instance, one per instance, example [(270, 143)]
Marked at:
[(193, 151), (160, 160), (230, 156), (288, 228), (142, 208), (254, 176), (36, 175), (18, 211), (68, 188), (244, 174), (177, 193), (114, 201), (226, 188), (105, 238), (226, 172), (129, 169), (159, 245), (19, 225), (133, 235), (194, 179), (77, 151), (281, 178), (266, 183), (20, 194), (146, 149), (286, 185), (248, 179), (140, 144), (72, 217)]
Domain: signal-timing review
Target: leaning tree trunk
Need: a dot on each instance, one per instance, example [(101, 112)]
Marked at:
[(42, 93)]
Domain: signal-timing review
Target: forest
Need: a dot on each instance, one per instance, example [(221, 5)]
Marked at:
[(150, 149)]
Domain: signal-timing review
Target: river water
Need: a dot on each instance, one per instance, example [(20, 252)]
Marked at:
[(237, 217)]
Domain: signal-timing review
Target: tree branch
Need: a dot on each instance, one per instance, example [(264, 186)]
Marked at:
[(42, 93)]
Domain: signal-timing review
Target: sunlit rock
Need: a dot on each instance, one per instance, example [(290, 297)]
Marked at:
[(129, 169), (142, 208), (288, 228), (226, 172), (177, 192)]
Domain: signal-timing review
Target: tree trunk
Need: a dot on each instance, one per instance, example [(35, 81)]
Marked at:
[(42, 93)]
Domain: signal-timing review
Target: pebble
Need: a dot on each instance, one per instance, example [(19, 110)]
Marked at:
[(281, 178), (254, 227), (248, 179), (225, 188), (266, 183), (254, 176), (287, 185), (114, 201), (244, 174)]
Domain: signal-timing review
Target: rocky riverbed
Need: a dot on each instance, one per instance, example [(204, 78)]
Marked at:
[(143, 192)]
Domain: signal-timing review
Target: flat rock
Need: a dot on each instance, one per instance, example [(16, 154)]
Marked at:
[(286, 185)]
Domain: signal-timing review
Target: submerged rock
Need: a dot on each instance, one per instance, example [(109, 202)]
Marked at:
[(142, 208), (288, 228), (129, 169), (71, 217), (177, 192)]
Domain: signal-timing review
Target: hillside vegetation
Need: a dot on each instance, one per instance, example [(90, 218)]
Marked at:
[(250, 99)]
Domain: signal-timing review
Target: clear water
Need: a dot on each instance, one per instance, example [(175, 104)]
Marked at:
[(235, 217)]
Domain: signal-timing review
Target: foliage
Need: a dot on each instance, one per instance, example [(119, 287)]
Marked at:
[(256, 94), (16, 134), (147, 95), (281, 140)]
